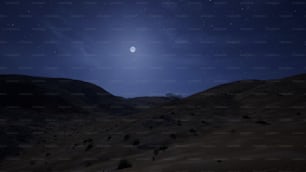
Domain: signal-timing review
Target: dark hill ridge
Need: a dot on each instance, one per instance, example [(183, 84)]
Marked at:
[(56, 94), (293, 86), (248, 125), (67, 95)]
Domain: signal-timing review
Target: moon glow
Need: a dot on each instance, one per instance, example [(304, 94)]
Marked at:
[(132, 49)]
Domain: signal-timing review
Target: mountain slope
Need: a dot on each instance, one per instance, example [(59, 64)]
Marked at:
[(241, 126), (54, 94), (28, 104)]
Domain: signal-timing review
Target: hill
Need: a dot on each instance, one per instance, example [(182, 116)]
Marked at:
[(55, 94), (248, 125)]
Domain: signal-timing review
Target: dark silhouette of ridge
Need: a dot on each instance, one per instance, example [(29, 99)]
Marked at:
[(55, 124)]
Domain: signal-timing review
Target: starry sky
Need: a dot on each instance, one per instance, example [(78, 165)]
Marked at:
[(182, 46)]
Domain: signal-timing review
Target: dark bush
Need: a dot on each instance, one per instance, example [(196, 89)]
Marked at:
[(126, 137), (89, 147), (124, 164), (88, 140), (262, 122), (155, 152), (32, 162), (179, 123), (192, 130), (173, 136), (245, 117), (88, 163), (204, 122), (233, 131), (136, 142), (163, 148)]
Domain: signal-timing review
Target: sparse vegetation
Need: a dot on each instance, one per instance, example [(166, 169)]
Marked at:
[(179, 123), (136, 142), (245, 117), (262, 122), (163, 148), (88, 163), (126, 137), (204, 122), (219, 161), (90, 146), (192, 130), (155, 152), (173, 136), (88, 140), (200, 127), (75, 145), (233, 131), (32, 162), (124, 164)]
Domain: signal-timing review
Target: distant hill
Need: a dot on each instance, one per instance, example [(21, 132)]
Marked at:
[(150, 102), (251, 125), (56, 94)]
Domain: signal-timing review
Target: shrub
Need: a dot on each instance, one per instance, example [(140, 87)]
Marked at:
[(262, 122), (173, 136), (124, 164), (88, 140), (89, 147), (136, 142), (155, 152), (126, 137), (179, 123), (204, 122), (192, 130), (245, 117), (32, 162), (163, 148)]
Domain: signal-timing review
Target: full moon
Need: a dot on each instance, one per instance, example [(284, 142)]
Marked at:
[(132, 49)]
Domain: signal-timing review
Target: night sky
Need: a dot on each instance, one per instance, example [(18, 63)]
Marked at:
[(182, 47)]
